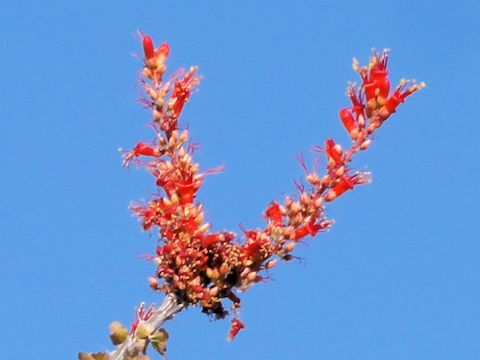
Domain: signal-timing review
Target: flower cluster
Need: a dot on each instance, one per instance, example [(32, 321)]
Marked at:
[(206, 268)]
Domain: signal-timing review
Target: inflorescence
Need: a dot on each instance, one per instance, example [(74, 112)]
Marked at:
[(207, 268)]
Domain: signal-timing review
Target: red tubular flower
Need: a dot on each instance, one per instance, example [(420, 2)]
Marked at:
[(334, 152), (235, 328), (163, 50), (186, 191), (377, 83), (180, 96), (398, 97), (275, 213), (181, 91), (357, 105), (252, 247), (147, 215), (148, 47), (343, 185), (382, 84), (140, 149), (144, 149), (209, 240), (311, 228), (348, 121), (347, 183)]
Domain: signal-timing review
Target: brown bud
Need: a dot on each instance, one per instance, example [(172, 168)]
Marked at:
[(296, 207), (224, 269), (361, 120), (157, 115), (290, 246), (153, 283), (213, 273), (372, 104), (245, 272), (252, 276), (305, 199), (213, 291), (147, 73), (355, 134), (178, 261), (364, 145), (340, 171), (380, 101), (313, 178), (325, 180), (270, 264), (372, 127)]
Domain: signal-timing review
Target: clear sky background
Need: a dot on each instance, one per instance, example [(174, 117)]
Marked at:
[(396, 277)]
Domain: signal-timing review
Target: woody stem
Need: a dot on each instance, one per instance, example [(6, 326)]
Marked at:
[(166, 311)]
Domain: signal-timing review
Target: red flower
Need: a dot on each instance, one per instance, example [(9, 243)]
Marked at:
[(311, 228), (181, 91), (274, 212), (163, 50), (348, 122), (402, 91), (150, 51), (375, 80), (148, 47), (357, 105), (347, 183), (378, 83), (210, 239), (334, 152), (235, 328), (140, 149)]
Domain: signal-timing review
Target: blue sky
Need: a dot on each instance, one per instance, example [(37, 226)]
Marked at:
[(397, 276)]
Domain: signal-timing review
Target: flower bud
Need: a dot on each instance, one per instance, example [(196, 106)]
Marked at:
[(364, 145), (271, 263), (148, 47), (289, 247), (252, 276)]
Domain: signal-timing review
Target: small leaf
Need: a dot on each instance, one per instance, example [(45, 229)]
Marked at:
[(118, 333), (85, 356), (100, 356), (143, 331), (159, 340)]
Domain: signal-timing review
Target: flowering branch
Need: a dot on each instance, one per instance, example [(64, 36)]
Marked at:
[(199, 267)]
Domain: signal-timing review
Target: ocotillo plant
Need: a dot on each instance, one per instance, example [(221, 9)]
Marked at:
[(208, 269)]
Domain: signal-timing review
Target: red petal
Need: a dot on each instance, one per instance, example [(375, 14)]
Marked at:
[(148, 47)]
